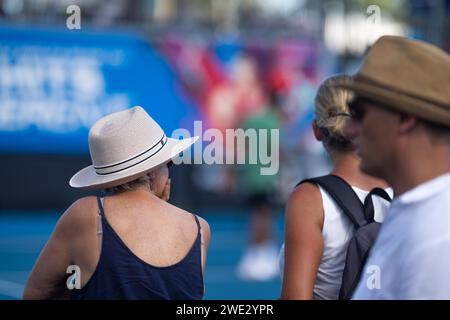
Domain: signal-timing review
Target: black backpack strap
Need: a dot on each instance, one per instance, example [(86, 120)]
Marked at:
[(368, 202), (344, 195)]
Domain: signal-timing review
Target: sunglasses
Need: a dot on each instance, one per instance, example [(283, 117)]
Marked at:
[(356, 108)]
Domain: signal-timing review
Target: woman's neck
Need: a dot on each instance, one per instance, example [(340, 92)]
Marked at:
[(346, 166)]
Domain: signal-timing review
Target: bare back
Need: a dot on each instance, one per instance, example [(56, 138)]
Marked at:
[(155, 231)]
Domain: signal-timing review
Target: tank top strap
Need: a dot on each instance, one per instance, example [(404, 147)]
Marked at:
[(199, 226), (101, 215), (100, 202)]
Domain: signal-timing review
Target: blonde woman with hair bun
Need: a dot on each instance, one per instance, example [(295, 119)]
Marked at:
[(317, 231), (331, 110)]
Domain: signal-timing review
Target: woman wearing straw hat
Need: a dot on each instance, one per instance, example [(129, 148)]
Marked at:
[(131, 244)]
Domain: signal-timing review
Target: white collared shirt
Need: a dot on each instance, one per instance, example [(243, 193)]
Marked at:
[(411, 256)]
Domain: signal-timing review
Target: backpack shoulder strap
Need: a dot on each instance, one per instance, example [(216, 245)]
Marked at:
[(381, 193), (344, 195), (368, 202)]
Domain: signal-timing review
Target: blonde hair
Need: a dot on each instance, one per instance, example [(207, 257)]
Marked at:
[(331, 108)]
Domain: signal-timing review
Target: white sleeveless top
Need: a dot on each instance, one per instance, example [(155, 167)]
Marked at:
[(337, 231)]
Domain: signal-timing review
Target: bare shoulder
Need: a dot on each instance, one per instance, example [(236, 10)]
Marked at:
[(88, 202), (187, 217), (305, 202), (80, 215), (305, 192), (83, 208), (205, 228)]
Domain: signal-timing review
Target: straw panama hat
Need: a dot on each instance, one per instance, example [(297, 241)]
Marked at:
[(124, 146), (406, 75)]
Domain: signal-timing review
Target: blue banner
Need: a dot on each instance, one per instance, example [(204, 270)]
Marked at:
[(54, 84)]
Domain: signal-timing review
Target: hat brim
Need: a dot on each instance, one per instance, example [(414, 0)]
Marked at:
[(398, 101), (87, 178)]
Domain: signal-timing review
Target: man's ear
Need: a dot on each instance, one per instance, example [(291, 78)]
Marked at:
[(407, 123), (317, 133)]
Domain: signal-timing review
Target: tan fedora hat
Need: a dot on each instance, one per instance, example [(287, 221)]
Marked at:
[(124, 146), (406, 75)]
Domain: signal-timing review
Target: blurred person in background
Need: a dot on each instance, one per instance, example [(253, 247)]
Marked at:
[(401, 128), (317, 232), (228, 103), (130, 244), (260, 260)]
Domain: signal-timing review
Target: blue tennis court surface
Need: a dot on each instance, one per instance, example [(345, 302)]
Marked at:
[(23, 234)]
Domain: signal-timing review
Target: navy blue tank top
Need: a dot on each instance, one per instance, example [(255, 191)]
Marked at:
[(120, 274)]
